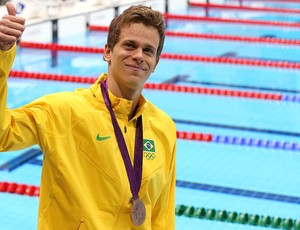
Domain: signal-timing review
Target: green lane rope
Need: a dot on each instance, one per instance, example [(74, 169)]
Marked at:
[(239, 218)]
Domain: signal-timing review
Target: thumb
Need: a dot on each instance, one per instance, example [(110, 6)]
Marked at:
[(11, 9)]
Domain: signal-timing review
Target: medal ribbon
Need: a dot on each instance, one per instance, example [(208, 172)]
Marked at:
[(134, 173)]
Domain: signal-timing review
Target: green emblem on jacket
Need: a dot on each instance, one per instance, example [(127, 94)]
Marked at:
[(99, 138), (148, 146)]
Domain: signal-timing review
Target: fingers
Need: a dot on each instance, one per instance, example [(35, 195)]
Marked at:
[(10, 9), (11, 27), (12, 14)]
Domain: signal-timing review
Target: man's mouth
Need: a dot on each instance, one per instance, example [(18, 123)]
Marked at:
[(136, 67)]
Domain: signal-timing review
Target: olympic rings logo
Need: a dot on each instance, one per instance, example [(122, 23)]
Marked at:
[(149, 155)]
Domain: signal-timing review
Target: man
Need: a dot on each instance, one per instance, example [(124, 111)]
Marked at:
[(109, 154)]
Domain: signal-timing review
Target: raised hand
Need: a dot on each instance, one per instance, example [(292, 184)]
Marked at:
[(11, 28)]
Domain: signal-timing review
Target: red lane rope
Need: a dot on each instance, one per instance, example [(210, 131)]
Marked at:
[(236, 21), (21, 189), (234, 61), (286, 1), (246, 8), (224, 60), (98, 28), (56, 47), (52, 77), (193, 136), (280, 41), (213, 91), (154, 86)]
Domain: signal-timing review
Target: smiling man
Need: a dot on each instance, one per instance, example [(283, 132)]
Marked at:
[(109, 153)]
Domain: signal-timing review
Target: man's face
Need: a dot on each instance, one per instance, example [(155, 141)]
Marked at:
[(133, 58)]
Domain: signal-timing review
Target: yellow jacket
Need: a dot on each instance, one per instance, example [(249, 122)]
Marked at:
[(84, 183)]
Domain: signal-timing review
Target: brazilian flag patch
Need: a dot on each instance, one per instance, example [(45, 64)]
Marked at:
[(148, 146)]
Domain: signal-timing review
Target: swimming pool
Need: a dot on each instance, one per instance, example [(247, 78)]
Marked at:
[(246, 176)]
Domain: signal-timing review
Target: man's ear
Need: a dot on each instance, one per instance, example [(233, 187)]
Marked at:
[(106, 54)]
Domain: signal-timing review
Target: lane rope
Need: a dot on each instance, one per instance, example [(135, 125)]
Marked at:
[(242, 141), (232, 21), (164, 86), (244, 8), (206, 59), (21, 189), (267, 1), (237, 217), (268, 40), (160, 86)]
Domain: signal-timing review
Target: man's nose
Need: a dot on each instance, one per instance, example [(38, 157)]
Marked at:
[(138, 55)]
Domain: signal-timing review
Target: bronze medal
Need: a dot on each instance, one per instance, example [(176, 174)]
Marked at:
[(138, 212)]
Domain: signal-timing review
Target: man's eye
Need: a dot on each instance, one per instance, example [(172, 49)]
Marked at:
[(129, 45), (149, 51)]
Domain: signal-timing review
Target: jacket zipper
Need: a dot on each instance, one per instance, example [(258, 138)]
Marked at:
[(81, 222)]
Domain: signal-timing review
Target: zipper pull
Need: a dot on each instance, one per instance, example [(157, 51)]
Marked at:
[(125, 129)]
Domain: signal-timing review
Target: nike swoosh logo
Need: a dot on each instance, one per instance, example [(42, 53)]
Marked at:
[(99, 138)]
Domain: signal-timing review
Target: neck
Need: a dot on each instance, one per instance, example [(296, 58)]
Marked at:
[(126, 93)]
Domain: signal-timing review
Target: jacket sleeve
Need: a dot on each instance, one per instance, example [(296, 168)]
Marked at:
[(164, 210), (17, 128)]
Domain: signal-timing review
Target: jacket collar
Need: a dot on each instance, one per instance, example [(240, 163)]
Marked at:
[(121, 106)]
